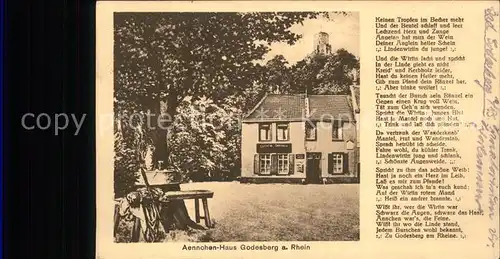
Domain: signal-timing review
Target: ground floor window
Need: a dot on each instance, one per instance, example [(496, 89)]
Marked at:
[(274, 164), (283, 165), (265, 164), (337, 163)]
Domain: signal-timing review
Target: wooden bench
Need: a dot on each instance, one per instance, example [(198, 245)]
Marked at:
[(196, 195)]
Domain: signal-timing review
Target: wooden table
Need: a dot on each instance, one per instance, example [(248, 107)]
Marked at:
[(173, 192), (196, 195)]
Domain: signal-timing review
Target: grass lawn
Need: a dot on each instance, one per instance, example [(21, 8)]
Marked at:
[(280, 212), (273, 212)]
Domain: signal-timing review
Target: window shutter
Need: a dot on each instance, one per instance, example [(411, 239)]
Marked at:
[(291, 165), (256, 164), (274, 164), (330, 163), (345, 159)]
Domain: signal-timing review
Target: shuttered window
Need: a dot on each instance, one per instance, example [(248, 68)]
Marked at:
[(265, 164), (337, 163), (273, 164), (283, 164)]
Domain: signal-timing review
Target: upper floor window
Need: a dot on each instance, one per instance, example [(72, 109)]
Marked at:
[(310, 130), (265, 132), (337, 130), (282, 131)]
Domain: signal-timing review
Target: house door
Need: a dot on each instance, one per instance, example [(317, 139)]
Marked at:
[(313, 168)]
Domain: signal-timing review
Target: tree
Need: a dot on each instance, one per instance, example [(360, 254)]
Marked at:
[(305, 73), (130, 151), (277, 75), (126, 166), (203, 137), (162, 58), (325, 74), (168, 56), (337, 74)]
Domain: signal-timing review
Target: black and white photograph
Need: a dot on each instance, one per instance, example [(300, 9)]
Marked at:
[(236, 126)]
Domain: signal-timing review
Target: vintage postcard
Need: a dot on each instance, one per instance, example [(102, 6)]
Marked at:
[(243, 129)]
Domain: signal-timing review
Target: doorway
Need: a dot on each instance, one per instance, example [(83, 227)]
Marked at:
[(313, 167)]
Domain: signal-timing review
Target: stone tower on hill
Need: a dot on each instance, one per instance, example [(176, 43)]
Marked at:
[(322, 44)]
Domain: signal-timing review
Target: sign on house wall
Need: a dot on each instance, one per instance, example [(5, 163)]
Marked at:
[(274, 148), (299, 166)]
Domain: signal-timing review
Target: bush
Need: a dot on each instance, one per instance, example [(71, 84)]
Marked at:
[(126, 163), (205, 141)]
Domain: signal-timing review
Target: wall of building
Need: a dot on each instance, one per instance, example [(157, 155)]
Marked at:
[(250, 139), (323, 144)]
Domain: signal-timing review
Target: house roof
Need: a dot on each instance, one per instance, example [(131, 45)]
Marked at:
[(278, 107), (330, 107)]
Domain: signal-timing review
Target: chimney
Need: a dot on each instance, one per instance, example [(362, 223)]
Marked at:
[(353, 98)]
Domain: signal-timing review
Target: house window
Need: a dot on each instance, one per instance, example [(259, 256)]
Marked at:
[(337, 130), (310, 130), (283, 164), (337, 163), (282, 131), (265, 132), (265, 164)]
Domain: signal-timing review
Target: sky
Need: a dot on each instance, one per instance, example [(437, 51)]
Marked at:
[(343, 32)]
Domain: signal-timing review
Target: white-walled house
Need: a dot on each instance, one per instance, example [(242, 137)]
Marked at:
[(301, 138)]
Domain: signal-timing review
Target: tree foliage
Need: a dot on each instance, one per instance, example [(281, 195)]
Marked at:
[(277, 76), (127, 160), (203, 65), (317, 73), (205, 137), (168, 56), (337, 75)]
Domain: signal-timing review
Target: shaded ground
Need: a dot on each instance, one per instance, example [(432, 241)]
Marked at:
[(275, 212)]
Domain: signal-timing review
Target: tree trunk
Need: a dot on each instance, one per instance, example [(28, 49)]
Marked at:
[(175, 214), (161, 152), (159, 136), (160, 148)]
